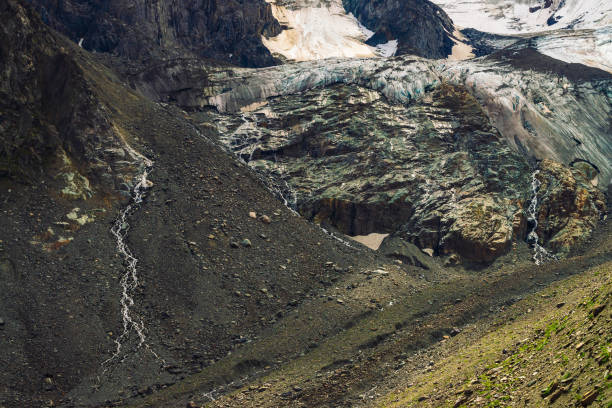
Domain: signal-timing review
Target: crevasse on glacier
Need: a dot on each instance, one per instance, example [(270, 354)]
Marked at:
[(542, 114)]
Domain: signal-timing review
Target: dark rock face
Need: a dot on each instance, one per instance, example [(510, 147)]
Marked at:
[(223, 30), (421, 27)]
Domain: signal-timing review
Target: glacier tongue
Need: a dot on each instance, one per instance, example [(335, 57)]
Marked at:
[(542, 114), (397, 80)]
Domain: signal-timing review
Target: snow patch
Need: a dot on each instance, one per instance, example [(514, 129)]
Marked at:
[(319, 30), (387, 49), (461, 50), (372, 240)]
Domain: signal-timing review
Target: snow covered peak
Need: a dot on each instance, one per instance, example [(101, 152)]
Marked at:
[(525, 16)]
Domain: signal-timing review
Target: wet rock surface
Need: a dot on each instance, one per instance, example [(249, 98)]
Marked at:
[(389, 127), (540, 108)]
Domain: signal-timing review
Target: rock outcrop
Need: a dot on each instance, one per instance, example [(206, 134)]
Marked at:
[(222, 30), (347, 153), (543, 107), (420, 27), (570, 204)]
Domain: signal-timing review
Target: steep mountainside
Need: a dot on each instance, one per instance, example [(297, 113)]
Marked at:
[(209, 277), (415, 171), (222, 30), (425, 169)]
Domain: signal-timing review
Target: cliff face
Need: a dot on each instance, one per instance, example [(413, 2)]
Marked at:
[(455, 144), (223, 30), (420, 27)]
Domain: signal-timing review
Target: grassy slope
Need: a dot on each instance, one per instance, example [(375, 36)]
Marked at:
[(550, 349)]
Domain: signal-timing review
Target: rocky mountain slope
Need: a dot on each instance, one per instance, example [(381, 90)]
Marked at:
[(552, 348), (178, 230), (210, 276), (333, 132)]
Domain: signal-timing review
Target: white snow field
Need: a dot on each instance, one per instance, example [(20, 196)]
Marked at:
[(515, 17), (318, 30)]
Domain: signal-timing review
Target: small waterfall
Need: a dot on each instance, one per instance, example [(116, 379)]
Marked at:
[(129, 280), (244, 142), (540, 254)]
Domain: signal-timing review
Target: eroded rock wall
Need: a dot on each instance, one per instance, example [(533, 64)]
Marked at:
[(433, 169), (223, 30), (570, 204)]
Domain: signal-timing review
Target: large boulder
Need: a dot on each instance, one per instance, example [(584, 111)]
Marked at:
[(481, 231)]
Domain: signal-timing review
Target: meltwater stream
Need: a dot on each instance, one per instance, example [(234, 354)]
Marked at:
[(540, 254), (129, 280)]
